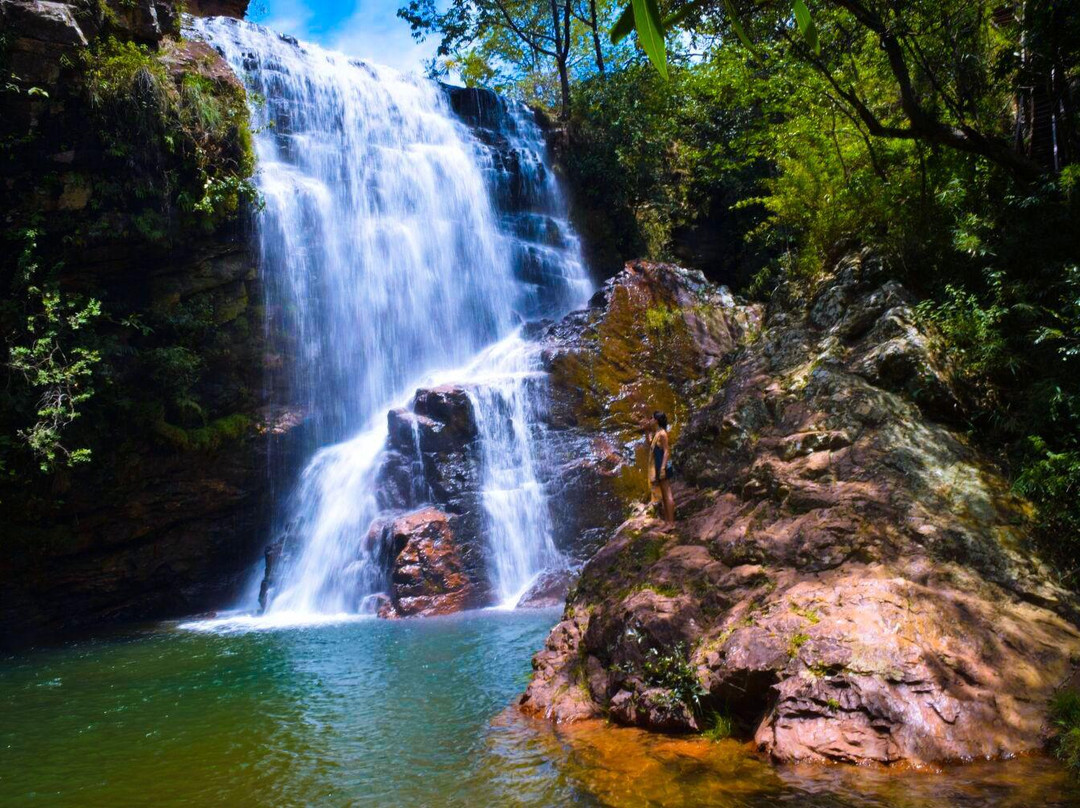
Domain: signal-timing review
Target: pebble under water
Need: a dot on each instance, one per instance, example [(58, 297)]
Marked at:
[(406, 713)]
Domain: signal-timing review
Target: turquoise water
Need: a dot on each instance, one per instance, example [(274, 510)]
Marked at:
[(366, 713)]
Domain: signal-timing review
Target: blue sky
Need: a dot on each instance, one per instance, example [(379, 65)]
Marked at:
[(369, 29)]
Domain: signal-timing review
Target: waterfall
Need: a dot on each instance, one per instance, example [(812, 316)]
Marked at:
[(398, 241)]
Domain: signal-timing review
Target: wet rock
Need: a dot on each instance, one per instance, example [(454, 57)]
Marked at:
[(548, 590), (850, 578), (450, 406), (428, 575)]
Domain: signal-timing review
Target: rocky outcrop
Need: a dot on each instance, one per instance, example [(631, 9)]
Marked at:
[(655, 337), (849, 579)]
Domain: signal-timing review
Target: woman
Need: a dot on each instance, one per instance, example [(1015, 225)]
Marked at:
[(661, 465)]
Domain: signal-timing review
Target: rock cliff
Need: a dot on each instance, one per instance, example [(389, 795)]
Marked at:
[(124, 158), (849, 580)]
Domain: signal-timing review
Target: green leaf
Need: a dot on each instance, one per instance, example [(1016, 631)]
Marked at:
[(624, 25), (736, 26), (650, 33), (806, 25)]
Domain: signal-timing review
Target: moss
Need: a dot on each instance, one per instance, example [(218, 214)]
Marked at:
[(207, 438), (810, 615), (664, 590), (622, 575), (661, 319), (178, 129), (797, 641)]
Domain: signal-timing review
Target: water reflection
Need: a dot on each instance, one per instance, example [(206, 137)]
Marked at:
[(408, 713)]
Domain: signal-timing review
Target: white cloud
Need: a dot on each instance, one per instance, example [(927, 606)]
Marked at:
[(372, 31)]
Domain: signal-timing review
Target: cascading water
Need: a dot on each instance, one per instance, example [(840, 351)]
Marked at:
[(395, 244)]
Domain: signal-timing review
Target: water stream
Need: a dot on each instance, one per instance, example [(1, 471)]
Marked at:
[(397, 243)]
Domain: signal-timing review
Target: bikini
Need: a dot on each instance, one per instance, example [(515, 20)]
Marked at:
[(658, 458)]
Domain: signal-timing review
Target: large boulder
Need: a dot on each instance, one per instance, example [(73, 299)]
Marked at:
[(849, 580), (428, 575)]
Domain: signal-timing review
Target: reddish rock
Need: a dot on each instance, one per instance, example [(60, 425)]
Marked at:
[(849, 578), (428, 576)]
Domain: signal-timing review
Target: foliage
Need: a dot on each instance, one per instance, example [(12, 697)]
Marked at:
[(788, 158), (1065, 717), (182, 138), (673, 672), (52, 352), (163, 153), (721, 726), (649, 158), (524, 48)]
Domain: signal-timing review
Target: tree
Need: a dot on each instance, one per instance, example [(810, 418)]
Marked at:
[(519, 33), (945, 61)]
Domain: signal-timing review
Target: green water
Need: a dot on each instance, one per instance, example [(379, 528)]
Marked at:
[(410, 713)]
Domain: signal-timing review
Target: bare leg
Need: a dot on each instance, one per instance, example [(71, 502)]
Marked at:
[(669, 502)]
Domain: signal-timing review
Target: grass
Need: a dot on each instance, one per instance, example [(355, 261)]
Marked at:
[(721, 727), (1065, 718)]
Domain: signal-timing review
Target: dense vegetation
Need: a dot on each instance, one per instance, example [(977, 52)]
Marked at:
[(944, 135), (115, 165)]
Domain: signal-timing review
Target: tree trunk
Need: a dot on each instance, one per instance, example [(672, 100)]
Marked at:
[(564, 88), (562, 53), (596, 37)]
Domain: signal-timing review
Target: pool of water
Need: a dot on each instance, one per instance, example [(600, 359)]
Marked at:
[(410, 713)]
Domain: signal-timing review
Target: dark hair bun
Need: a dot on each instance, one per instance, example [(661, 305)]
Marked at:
[(660, 419)]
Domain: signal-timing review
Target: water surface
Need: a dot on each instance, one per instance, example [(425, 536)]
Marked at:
[(368, 712)]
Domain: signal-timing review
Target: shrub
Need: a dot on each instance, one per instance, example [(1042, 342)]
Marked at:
[(182, 138), (673, 672)]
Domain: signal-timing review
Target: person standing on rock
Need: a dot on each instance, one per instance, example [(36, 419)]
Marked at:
[(661, 465)]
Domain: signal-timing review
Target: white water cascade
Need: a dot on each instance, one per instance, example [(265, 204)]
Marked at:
[(397, 245)]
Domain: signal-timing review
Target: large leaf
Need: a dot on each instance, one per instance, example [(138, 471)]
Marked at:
[(806, 25), (736, 26), (650, 32), (624, 25)]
